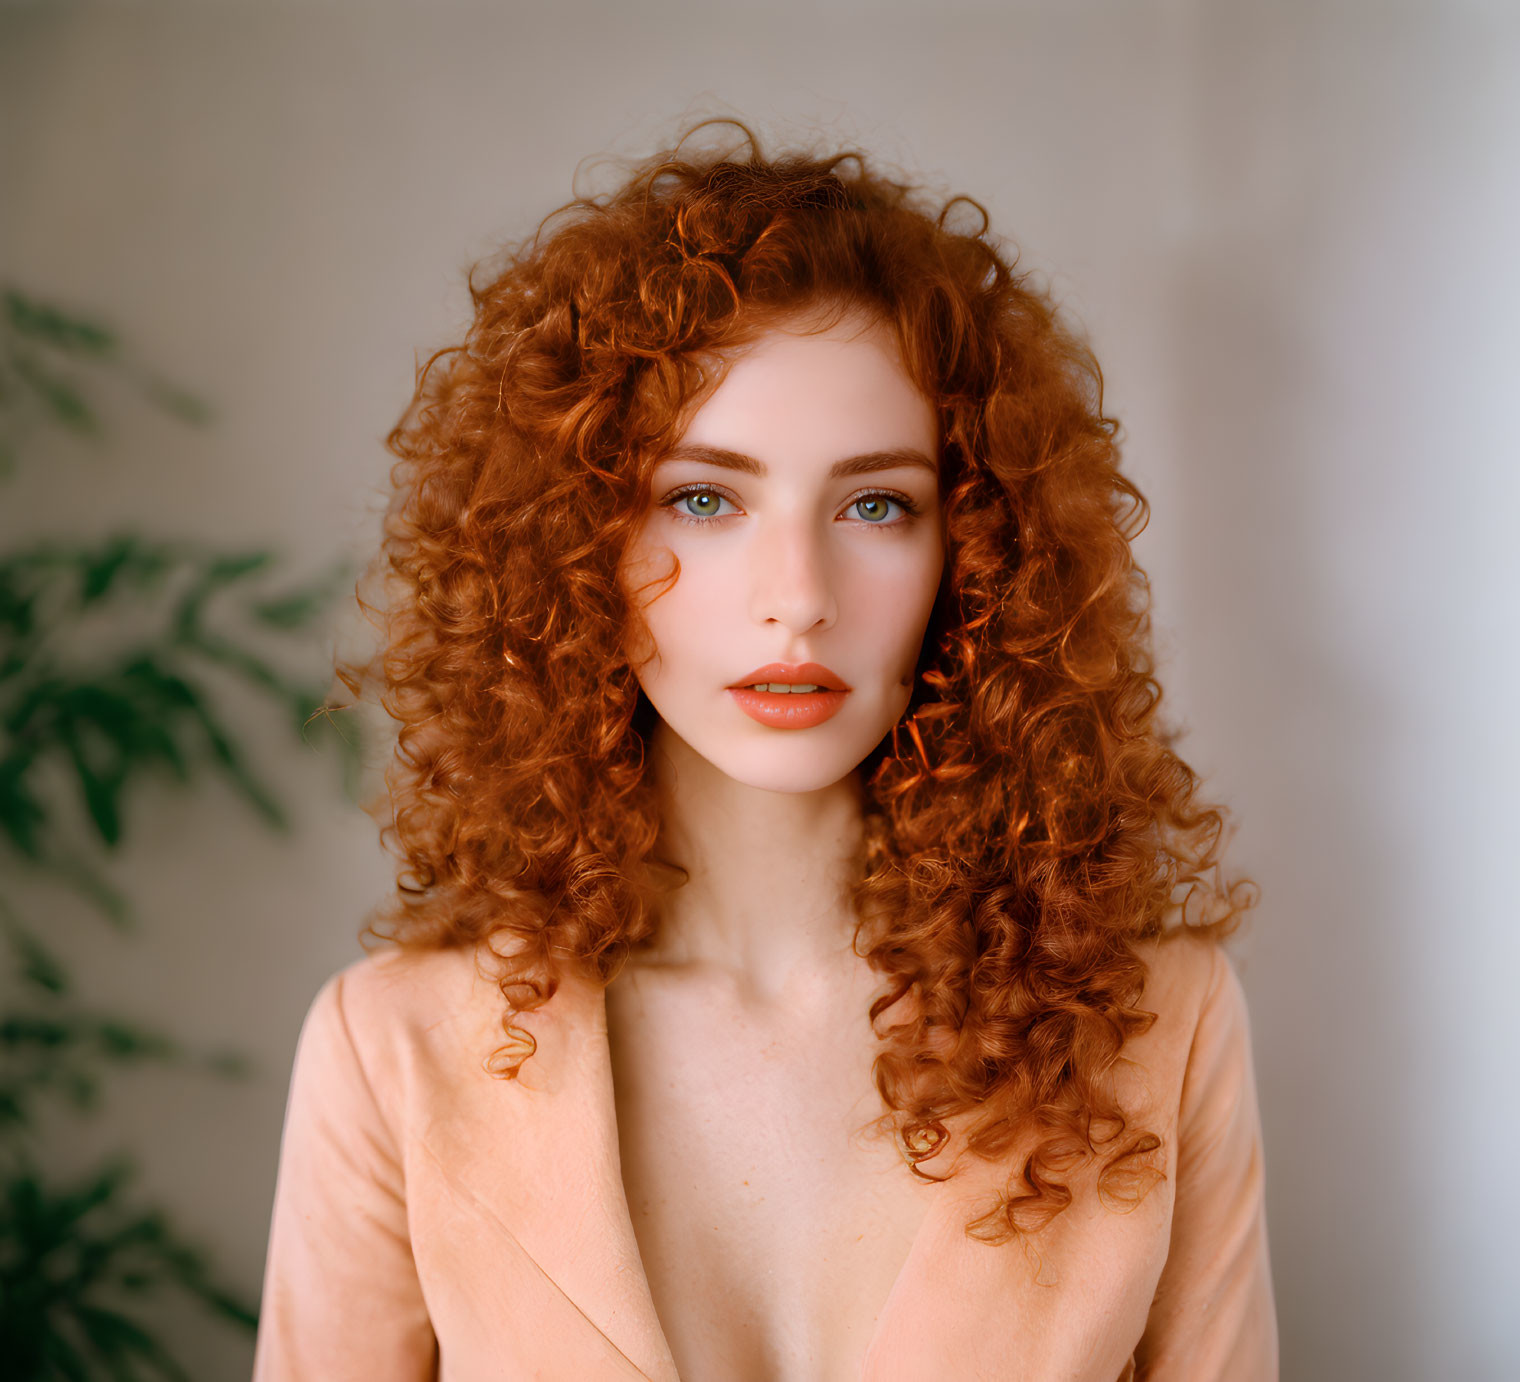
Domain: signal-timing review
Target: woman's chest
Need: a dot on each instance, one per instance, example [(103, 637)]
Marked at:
[(772, 1228)]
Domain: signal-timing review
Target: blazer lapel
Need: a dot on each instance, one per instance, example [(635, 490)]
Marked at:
[(525, 1190), (1068, 1305)]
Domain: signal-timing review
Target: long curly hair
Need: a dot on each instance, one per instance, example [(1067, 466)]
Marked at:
[(1028, 821)]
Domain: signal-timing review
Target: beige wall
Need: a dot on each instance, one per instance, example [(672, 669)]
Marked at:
[(1289, 230)]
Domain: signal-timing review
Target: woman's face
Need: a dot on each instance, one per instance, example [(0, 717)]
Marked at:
[(802, 502)]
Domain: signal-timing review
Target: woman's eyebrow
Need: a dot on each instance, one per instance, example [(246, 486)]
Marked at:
[(863, 464)]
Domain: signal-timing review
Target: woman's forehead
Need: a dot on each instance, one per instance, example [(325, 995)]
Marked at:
[(820, 394)]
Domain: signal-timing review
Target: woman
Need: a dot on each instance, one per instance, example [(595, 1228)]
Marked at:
[(807, 956)]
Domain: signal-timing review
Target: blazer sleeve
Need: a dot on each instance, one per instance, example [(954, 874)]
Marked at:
[(341, 1296), (1213, 1318)]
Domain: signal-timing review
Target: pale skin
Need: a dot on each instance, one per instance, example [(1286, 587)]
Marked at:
[(802, 503)]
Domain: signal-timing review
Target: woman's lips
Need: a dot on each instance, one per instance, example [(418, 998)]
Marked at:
[(793, 674), (790, 709)]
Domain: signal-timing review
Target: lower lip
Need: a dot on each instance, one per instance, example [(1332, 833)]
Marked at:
[(788, 709)]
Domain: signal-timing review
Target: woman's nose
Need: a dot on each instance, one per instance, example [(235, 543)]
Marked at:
[(791, 582)]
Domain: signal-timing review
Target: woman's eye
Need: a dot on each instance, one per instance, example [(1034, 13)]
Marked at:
[(704, 505), (697, 504), (876, 508)]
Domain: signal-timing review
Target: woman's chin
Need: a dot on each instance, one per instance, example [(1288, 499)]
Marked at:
[(792, 769), (792, 761)]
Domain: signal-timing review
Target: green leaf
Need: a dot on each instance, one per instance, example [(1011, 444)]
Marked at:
[(145, 677), (63, 1211), (70, 1250), (90, 885), (58, 395), (122, 1040), (47, 324), (101, 794), (247, 665), (38, 965), (115, 1335), (292, 611), (226, 1304), (102, 568), (81, 1088), (25, 1029), (151, 742), (224, 570), (60, 1353), (17, 605), (175, 691), (33, 709), (188, 1268), (21, 813), (135, 713), (219, 572), (298, 608), (226, 753), (115, 1038)]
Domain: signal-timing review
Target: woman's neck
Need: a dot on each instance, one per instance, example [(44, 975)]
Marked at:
[(767, 897)]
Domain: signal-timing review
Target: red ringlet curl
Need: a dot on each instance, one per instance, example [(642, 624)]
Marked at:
[(1029, 821)]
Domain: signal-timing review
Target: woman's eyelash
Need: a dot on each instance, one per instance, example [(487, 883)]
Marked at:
[(672, 500)]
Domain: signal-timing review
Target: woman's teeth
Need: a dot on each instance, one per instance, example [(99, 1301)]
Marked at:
[(776, 686)]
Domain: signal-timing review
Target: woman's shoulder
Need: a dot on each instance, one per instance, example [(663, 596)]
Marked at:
[(395, 1014), (1185, 969), (1201, 1025), (402, 981), (420, 1021), (396, 989)]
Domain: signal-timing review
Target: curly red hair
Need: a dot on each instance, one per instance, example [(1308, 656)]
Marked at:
[(1029, 820)]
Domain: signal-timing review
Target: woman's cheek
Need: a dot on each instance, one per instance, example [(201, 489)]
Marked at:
[(894, 608)]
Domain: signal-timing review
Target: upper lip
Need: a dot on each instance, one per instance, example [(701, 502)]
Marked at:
[(792, 674)]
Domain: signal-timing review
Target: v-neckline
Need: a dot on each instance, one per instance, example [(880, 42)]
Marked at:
[(622, 1212)]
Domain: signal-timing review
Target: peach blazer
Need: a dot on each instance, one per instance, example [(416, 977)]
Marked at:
[(431, 1222)]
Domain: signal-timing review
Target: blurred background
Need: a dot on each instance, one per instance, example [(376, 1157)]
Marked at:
[(226, 231)]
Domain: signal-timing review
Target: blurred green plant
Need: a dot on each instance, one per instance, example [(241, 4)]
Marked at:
[(48, 361), (72, 1319), (116, 660)]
